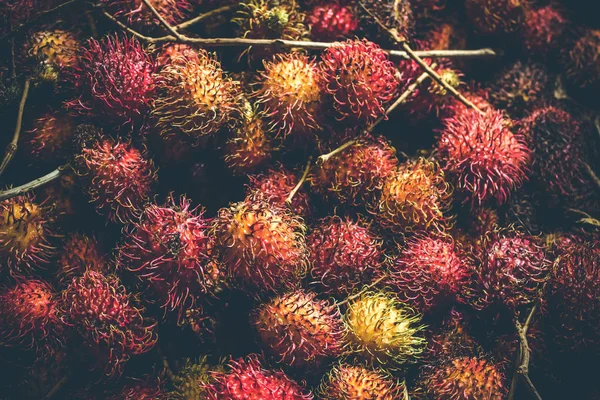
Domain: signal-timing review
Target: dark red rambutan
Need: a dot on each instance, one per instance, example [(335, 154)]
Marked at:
[(344, 254), (347, 381), (512, 272), (559, 159), (331, 21), (396, 16), (452, 337), (20, 11), (78, 254), (28, 314), (573, 300), (431, 272), (51, 137), (581, 60), (495, 17), (115, 79), (54, 52), (290, 94), (170, 252), (140, 390), (466, 378), (359, 79), (195, 98), (274, 186), (521, 87), (355, 174), (25, 235), (101, 311), (270, 19), (413, 198), (300, 330), (261, 245), (246, 379), (482, 156), (119, 176), (140, 17), (542, 30)]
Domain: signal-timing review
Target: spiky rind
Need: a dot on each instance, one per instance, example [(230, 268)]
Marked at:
[(300, 330), (191, 380), (542, 30), (78, 254), (383, 331), (274, 186), (344, 254), (261, 245), (353, 382), (148, 389), (51, 136), (55, 51), (580, 62), (270, 19), (331, 21), (485, 159), (495, 17)]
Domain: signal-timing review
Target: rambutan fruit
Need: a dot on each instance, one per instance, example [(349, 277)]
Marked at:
[(261, 245), (290, 94), (495, 17), (452, 337), (148, 389), (78, 254), (172, 53), (396, 16), (299, 330), (512, 271), (521, 87), (65, 196), (250, 145), (331, 21), (25, 235), (101, 311), (270, 19), (142, 18), (170, 251), (542, 30), (119, 176), (573, 302), (359, 79), (433, 98), (247, 379), (51, 137), (413, 198), (28, 314), (115, 79), (559, 159), (274, 186), (354, 175), (55, 52), (482, 156), (429, 273), (446, 36), (384, 331), (478, 96), (344, 254), (354, 382), (195, 98), (466, 378), (191, 380), (580, 61)]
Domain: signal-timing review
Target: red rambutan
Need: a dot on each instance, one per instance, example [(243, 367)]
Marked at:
[(482, 156), (479, 97), (169, 250), (116, 80), (360, 80), (300, 330), (344, 255), (261, 245), (78, 254), (495, 17), (331, 21), (140, 17), (101, 311), (542, 29), (51, 136), (581, 60), (274, 186), (353, 382), (247, 379)]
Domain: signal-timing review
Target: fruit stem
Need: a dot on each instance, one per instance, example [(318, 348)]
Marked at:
[(36, 183), (12, 147), (290, 197), (325, 157), (201, 17), (163, 21)]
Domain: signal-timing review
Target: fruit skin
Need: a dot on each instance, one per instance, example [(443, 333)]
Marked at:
[(290, 94), (485, 159), (101, 311), (274, 186), (169, 250), (78, 254), (466, 378), (140, 17), (495, 17), (246, 379), (28, 315), (192, 379), (356, 174), (433, 98), (344, 254), (331, 21), (51, 136), (429, 273), (261, 245), (384, 331), (300, 330), (55, 52), (115, 79), (270, 19), (359, 79), (119, 176), (542, 30), (580, 60), (144, 390), (194, 97), (357, 382), (413, 198), (25, 235)]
